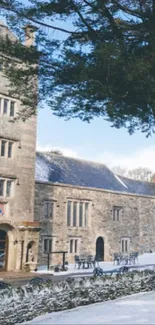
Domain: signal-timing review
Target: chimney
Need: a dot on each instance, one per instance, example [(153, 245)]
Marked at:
[(29, 35)]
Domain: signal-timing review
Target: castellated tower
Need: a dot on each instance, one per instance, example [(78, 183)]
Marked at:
[(18, 231)]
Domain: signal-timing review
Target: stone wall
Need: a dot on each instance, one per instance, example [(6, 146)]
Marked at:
[(41, 297), (20, 168), (137, 221)]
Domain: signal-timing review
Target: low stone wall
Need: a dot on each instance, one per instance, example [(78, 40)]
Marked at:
[(39, 296)]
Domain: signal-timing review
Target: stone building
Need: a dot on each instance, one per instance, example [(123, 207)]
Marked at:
[(18, 231), (84, 208), (69, 205)]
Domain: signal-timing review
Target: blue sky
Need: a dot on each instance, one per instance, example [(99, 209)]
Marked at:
[(96, 141)]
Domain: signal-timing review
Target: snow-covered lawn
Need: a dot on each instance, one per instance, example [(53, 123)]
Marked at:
[(145, 259), (135, 309)]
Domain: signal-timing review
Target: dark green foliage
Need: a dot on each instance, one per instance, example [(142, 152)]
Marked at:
[(103, 65)]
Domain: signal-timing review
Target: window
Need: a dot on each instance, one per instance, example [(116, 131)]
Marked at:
[(69, 213), (12, 108), (47, 245), (125, 245), (81, 214), (86, 215), (76, 245), (10, 144), (74, 214), (1, 187), (48, 209), (6, 148), (5, 107), (117, 212), (8, 188), (73, 246), (77, 214), (3, 148)]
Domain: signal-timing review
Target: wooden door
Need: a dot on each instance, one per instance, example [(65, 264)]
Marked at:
[(100, 249)]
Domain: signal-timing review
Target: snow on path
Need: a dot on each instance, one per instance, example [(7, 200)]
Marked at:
[(146, 258), (72, 269), (135, 309)]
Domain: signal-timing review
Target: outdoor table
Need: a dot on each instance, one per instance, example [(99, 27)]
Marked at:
[(126, 259), (84, 261), (63, 258)]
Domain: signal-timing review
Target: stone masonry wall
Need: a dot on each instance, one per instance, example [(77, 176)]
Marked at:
[(19, 207), (21, 166), (41, 297), (137, 221)]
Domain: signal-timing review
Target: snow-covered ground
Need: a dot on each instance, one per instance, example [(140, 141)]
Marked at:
[(145, 259), (135, 309)]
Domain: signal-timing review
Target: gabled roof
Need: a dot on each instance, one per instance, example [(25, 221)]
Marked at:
[(56, 168)]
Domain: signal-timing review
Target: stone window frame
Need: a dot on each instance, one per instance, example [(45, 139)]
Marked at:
[(49, 244), (74, 245), (125, 244), (8, 108), (5, 192), (117, 213), (12, 108), (50, 216), (52, 239), (6, 148), (80, 206)]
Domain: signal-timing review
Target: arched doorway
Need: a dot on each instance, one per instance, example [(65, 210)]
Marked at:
[(100, 249), (30, 254), (3, 250)]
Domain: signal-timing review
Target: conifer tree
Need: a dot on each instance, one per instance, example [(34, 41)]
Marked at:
[(96, 58)]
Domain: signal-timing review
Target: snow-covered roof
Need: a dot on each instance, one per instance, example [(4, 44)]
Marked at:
[(55, 168)]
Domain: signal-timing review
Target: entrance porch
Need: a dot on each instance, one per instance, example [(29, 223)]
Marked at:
[(18, 246)]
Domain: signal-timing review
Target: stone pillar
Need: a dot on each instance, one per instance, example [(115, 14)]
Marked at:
[(18, 255)]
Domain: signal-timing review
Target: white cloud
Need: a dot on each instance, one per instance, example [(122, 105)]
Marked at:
[(141, 158), (66, 151)]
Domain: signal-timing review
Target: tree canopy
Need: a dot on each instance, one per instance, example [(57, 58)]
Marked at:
[(96, 58), (139, 174)]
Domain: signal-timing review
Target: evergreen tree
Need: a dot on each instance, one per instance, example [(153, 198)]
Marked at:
[(103, 65)]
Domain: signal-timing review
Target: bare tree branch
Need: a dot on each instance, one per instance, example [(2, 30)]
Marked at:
[(127, 10), (38, 22), (82, 18)]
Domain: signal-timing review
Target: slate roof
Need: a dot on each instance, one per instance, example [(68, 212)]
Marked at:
[(55, 168)]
